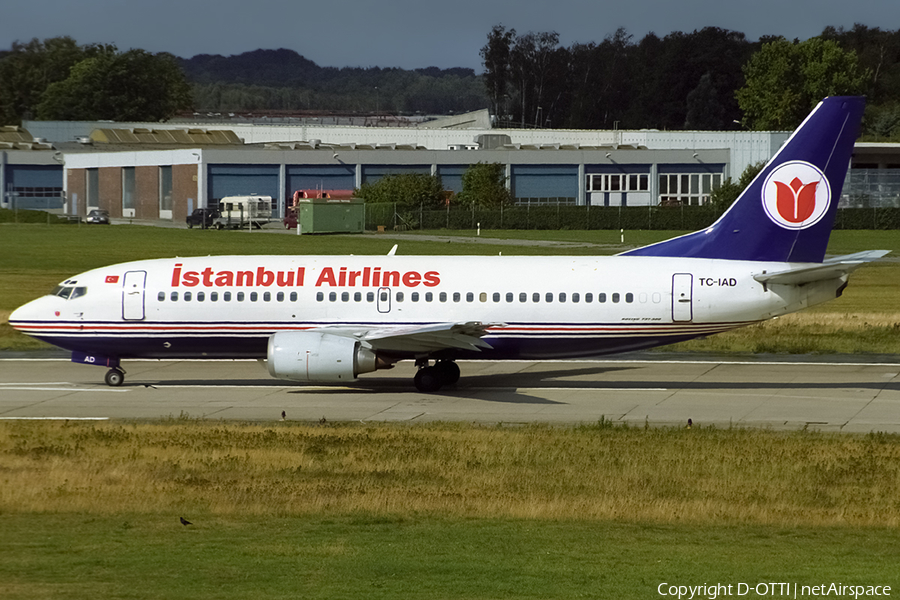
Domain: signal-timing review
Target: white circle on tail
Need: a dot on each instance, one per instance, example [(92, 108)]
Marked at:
[(796, 195)]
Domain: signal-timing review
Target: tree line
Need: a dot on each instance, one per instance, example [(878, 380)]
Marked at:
[(711, 78)]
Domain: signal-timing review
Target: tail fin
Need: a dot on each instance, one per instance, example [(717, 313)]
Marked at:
[(787, 212)]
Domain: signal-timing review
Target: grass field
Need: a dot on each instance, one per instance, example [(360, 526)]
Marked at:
[(437, 511)]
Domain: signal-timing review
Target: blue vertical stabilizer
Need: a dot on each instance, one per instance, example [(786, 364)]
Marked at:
[(787, 212)]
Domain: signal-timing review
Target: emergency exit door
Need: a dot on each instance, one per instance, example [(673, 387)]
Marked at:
[(682, 286)]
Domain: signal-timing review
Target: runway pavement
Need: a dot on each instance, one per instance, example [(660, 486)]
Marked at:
[(836, 395)]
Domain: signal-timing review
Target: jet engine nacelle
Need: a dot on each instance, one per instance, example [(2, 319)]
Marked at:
[(317, 357)]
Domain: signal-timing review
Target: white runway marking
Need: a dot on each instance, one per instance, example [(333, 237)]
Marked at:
[(63, 387)]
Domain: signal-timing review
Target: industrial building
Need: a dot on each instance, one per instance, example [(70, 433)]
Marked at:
[(165, 170)]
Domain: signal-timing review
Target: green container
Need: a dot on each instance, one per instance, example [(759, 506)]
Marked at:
[(331, 215)]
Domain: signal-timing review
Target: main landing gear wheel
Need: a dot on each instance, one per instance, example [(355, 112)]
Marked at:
[(431, 379), (115, 377)]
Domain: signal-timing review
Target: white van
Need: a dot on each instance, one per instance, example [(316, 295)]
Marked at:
[(244, 211)]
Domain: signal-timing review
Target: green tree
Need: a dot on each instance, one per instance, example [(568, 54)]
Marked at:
[(132, 86), (785, 80), (408, 190), (496, 57), (28, 69), (484, 185), (724, 196)]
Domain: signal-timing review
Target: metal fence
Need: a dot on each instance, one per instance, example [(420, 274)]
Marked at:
[(871, 188), (391, 216)]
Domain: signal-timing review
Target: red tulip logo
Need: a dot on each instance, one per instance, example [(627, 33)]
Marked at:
[(797, 201), (796, 195)]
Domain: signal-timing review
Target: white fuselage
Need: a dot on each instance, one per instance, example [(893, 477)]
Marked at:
[(540, 307)]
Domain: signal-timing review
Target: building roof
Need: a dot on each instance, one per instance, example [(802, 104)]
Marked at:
[(171, 137), (16, 138)]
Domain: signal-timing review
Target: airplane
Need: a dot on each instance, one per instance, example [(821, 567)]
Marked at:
[(319, 319)]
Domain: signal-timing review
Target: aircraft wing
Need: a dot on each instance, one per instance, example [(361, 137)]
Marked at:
[(423, 338), (832, 268)]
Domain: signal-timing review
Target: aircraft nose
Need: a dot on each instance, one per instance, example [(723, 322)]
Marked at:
[(20, 317)]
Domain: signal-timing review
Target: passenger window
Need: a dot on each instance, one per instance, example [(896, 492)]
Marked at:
[(370, 297), (601, 297), (576, 297), (357, 297), (629, 297), (399, 296), (562, 296), (549, 296), (267, 296), (456, 297), (214, 296), (187, 296), (510, 297), (482, 297), (414, 296), (173, 296), (443, 297), (320, 296), (332, 296), (201, 296), (615, 297), (254, 296), (523, 297), (161, 296), (293, 296), (536, 297), (227, 296), (345, 296), (240, 296), (589, 297), (280, 296), (384, 296), (429, 296), (470, 297)]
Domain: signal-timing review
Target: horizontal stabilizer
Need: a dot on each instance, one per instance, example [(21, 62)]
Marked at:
[(830, 269)]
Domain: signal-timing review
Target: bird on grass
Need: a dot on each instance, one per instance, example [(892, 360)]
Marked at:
[(184, 521), (283, 415)]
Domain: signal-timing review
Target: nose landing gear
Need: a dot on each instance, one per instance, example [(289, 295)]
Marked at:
[(115, 377), (432, 378)]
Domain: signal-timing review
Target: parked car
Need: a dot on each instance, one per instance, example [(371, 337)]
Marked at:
[(202, 217), (98, 217)]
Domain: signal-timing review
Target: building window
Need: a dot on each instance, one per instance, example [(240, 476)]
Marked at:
[(165, 189), (687, 189), (93, 188), (619, 182), (128, 196)]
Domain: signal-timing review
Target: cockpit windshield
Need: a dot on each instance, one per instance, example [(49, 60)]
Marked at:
[(69, 292)]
